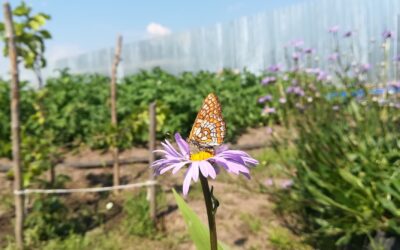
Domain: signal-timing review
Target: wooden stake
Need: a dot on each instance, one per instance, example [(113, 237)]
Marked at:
[(151, 191), (114, 122), (15, 127), (397, 64)]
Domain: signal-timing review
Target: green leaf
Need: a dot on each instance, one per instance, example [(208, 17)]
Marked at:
[(45, 34), (35, 25), (197, 230), (22, 10)]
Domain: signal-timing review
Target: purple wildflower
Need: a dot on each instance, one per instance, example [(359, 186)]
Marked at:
[(295, 90), (348, 34), (282, 100), (285, 184), (204, 162), (395, 84), (298, 91), (269, 182), (387, 34), (268, 80), (309, 51), (322, 76), (365, 67), (333, 57), (268, 110), (296, 56), (334, 29), (298, 43), (266, 98), (315, 71), (274, 68), (289, 89)]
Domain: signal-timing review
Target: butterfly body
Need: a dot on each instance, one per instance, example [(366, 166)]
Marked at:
[(208, 130)]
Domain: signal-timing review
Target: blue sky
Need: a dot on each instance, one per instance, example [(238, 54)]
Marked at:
[(79, 26)]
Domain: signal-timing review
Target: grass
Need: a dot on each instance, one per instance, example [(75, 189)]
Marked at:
[(118, 239), (282, 239), (253, 223), (274, 161), (7, 202)]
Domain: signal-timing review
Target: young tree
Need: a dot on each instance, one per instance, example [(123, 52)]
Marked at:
[(29, 38)]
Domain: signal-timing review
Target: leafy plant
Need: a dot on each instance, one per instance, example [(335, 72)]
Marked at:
[(30, 37), (347, 169), (138, 220), (197, 230)]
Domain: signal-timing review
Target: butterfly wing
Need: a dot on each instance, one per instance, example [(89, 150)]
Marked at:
[(209, 127)]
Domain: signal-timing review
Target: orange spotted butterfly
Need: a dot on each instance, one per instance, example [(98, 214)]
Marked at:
[(209, 127)]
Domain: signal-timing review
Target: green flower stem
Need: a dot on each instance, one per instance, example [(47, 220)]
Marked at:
[(210, 212)]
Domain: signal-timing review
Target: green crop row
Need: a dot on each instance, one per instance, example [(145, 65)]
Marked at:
[(74, 109)]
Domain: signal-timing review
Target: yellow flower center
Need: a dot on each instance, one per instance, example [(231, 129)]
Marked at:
[(201, 156)]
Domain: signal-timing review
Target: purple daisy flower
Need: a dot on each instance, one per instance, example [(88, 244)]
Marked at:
[(309, 51), (266, 98), (395, 84), (203, 162), (334, 29), (296, 56), (269, 130), (348, 34), (298, 43), (269, 110), (285, 184), (274, 68), (322, 76), (387, 34), (268, 80), (365, 67), (314, 71), (333, 57)]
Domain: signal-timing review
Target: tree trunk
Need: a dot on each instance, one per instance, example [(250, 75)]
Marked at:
[(15, 126)]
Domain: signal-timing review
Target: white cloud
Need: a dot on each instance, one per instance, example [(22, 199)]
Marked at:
[(156, 29)]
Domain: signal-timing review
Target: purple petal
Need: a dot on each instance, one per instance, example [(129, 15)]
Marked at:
[(221, 149), (240, 167), (186, 182), (179, 166), (175, 166), (167, 168), (160, 151), (250, 161), (210, 168), (204, 168), (195, 170), (169, 148), (182, 144), (230, 167)]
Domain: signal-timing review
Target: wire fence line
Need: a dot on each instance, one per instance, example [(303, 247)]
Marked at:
[(85, 190), (255, 42)]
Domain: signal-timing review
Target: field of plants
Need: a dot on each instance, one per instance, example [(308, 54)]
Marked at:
[(325, 142)]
